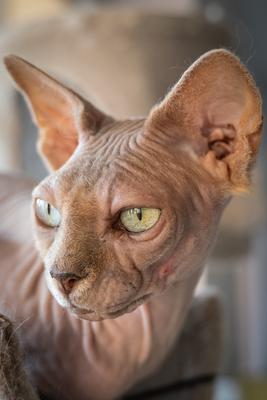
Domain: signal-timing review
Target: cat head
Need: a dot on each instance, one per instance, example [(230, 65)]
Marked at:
[(131, 207)]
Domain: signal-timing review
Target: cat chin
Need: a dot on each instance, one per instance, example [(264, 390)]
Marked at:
[(94, 316), (91, 315)]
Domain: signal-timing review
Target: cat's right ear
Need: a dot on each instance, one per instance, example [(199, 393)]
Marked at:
[(63, 117), (215, 109)]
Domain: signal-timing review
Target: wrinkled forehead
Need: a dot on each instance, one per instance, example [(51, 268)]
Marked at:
[(120, 162), (107, 157)]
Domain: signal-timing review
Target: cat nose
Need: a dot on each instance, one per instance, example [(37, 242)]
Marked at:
[(66, 280)]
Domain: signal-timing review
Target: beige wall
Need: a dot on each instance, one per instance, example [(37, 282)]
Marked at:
[(17, 11)]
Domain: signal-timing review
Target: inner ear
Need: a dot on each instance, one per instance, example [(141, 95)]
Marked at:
[(220, 139), (216, 107), (64, 118)]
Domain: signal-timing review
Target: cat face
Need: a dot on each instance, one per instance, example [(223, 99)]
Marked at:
[(132, 207), (117, 268)]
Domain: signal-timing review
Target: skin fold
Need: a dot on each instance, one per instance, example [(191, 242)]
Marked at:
[(98, 307)]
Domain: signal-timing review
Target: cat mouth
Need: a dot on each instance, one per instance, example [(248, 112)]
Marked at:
[(98, 315)]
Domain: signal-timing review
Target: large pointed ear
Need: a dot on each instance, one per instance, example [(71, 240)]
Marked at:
[(63, 117), (216, 109)]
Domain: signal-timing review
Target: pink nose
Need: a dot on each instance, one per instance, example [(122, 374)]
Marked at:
[(66, 280)]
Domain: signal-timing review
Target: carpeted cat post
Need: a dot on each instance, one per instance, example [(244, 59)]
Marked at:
[(14, 383)]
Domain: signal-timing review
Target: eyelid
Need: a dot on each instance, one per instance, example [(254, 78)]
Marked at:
[(123, 200), (45, 192)]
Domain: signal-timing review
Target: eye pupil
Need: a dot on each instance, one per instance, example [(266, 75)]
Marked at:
[(48, 208), (139, 213)]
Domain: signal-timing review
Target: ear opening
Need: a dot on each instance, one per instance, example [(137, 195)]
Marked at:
[(217, 108), (63, 117)]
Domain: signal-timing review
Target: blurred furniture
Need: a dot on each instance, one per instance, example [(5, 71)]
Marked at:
[(254, 389)]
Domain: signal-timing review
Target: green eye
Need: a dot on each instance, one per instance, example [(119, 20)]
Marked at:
[(139, 219), (48, 214)]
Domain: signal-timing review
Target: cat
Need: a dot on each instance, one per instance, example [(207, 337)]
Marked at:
[(123, 223)]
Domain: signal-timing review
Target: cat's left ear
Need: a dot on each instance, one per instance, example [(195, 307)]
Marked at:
[(215, 109), (63, 117)]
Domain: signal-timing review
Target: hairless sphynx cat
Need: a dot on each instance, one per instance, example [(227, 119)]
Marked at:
[(100, 285)]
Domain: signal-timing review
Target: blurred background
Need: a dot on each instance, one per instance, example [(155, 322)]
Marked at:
[(124, 55)]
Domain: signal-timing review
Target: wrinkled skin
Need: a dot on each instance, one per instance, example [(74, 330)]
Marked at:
[(187, 158)]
